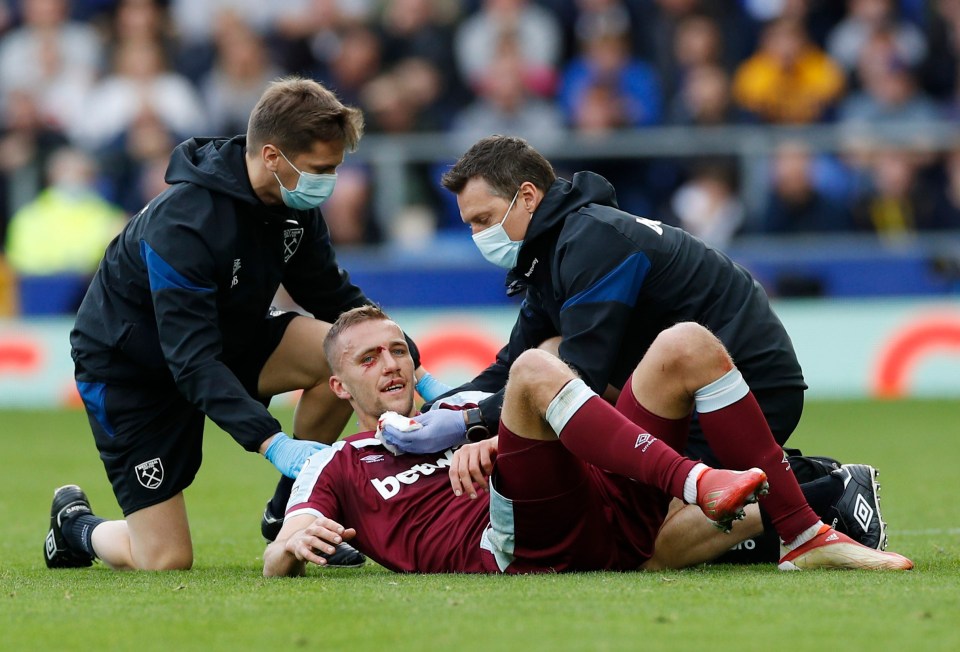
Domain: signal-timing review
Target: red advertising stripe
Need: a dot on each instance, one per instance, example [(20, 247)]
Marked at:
[(908, 346)]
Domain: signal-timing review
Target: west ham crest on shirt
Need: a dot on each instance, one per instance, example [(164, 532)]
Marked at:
[(291, 240)]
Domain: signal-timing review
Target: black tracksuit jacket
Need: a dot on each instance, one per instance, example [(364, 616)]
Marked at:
[(608, 282), (186, 286)]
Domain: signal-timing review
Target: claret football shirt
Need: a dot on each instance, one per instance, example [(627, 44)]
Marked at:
[(405, 513)]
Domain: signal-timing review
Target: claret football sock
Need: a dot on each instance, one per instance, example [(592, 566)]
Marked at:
[(737, 431), (597, 433)]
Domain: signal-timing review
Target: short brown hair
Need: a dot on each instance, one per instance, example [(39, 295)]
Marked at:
[(347, 319), (504, 162), (293, 113)]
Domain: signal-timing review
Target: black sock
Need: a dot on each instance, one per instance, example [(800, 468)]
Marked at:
[(768, 529), (823, 493), (78, 531), (278, 504)]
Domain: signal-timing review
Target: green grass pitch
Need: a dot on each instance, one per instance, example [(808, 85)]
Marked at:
[(224, 603)]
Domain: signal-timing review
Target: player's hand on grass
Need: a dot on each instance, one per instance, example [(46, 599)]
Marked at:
[(321, 536), (437, 431), (472, 465)]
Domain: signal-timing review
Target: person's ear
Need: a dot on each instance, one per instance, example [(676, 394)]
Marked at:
[(270, 155), (339, 389), (529, 196)]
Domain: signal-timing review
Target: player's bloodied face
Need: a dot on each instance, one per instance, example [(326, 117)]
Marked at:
[(376, 369)]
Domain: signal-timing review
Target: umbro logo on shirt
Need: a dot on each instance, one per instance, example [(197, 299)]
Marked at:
[(372, 458)]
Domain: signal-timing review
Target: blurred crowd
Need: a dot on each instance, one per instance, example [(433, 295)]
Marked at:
[(94, 94)]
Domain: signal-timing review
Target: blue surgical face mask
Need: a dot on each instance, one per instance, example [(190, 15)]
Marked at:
[(495, 245), (311, 191)]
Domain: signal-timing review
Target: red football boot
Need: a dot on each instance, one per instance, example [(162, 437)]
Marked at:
[(722, 494)]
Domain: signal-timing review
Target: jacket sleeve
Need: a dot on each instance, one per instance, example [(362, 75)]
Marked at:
[(600, 294), (316, 281), (183, 287)]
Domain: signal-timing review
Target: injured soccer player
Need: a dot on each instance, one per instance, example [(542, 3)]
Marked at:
[(571, 483)]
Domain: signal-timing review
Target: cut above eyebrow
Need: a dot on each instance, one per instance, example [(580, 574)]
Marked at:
[(376, 349), (362, 354)]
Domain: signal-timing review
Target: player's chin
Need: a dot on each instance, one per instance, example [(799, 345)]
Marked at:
[(401, 403)]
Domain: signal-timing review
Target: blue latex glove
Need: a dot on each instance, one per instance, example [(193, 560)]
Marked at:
[(440, 430), (288, 455), (429, 388)]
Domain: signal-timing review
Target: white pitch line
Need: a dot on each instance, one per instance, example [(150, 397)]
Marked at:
[(926, 533)]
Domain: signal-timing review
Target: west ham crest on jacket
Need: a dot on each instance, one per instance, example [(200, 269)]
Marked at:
[(291, 240)]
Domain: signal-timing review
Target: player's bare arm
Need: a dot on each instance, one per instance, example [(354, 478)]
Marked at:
[(301, 540), (472, 464)]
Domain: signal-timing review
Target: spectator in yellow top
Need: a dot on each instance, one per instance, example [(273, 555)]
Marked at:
[(67, 226), (789, 80)]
